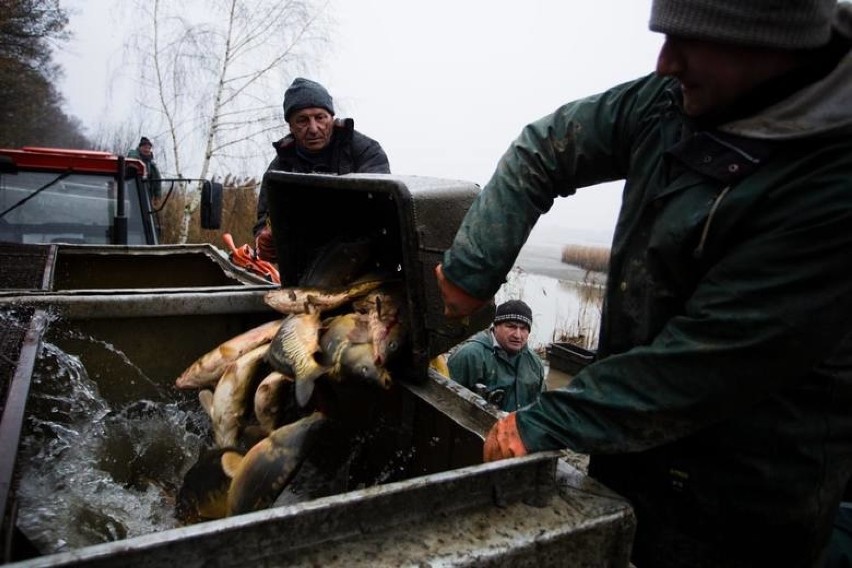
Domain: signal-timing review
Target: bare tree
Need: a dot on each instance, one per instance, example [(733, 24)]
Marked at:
[(214, 84)]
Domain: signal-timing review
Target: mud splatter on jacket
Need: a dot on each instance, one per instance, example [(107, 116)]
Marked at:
[(348, 152), (722, 401), (478, 360)]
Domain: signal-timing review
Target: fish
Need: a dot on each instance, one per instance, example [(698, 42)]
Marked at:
[(350, 327), (337, 263), (355, 362), (207, 369), (294, 352), (259, 477), (439, 364), (269, 400), (300, 300), (383, 311), (203, 494), (227, 404)]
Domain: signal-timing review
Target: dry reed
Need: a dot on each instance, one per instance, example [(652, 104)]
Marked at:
[(586, 257), (239, 206)]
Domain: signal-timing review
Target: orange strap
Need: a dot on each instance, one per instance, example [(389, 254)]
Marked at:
[(245, 258), (503, 441)]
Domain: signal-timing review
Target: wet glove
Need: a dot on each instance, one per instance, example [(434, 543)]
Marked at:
[(503, 441), (457, 302), (265, 245)]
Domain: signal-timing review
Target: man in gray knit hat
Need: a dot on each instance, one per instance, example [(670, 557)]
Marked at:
[(719, 403), (317, 143)]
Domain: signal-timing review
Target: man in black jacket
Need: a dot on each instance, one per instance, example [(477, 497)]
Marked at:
[(317, 143)]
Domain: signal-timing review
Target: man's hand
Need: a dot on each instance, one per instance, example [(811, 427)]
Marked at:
[(503, 441), (265, 245), (457, 302)]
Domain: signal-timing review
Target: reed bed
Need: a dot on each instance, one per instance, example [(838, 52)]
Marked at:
[(239, 211), (586, 257)]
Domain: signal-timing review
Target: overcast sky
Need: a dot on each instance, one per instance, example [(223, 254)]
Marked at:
[(443, 85)]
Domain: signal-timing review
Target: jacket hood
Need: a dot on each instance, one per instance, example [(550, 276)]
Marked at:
[(824, 107)]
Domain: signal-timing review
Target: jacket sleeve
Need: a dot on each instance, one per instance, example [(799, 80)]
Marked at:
[(372, 159), (772, 315), (263, 202), (583, 143)]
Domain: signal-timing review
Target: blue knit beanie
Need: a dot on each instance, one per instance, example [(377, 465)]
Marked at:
[(304, 93)]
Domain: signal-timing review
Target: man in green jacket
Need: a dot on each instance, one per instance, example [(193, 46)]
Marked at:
[(497, 363), (721, 402), (145, 152)]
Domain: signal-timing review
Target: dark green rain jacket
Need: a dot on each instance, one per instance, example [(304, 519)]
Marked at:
[(721, 404), (478, 360)]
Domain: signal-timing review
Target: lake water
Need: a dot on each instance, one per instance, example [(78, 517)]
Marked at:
[(565, 300)]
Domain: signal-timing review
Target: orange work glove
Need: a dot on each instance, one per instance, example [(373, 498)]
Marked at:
[(503, 441), (265, 245), (457, 302)]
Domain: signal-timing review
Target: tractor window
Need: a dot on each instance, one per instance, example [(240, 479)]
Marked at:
[(78, 208)]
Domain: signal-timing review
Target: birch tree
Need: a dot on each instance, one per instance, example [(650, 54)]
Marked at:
[(214, 83)]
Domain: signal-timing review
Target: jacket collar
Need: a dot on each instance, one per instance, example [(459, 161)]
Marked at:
[(822, 107)]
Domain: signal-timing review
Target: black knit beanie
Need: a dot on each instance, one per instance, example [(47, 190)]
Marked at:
[(145, 142), (780, 24), (304, 93), (514, 310)]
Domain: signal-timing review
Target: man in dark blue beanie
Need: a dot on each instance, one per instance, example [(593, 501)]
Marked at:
[(498, 363), (317, 143)]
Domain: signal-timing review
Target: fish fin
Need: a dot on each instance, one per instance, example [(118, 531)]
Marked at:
[(304, 391), (205, 397), (231, 463), (254, 433)]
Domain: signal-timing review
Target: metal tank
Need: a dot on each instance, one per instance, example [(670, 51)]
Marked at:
[(442, 507)]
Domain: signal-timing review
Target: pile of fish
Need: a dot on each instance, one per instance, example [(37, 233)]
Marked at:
[(260, 387)]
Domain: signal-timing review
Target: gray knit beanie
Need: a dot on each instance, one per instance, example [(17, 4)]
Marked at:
[(782, 24), (304, 93)]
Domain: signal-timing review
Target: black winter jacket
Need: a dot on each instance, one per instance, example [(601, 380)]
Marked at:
[(349, 152)]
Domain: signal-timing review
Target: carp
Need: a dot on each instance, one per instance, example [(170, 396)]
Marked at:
[(356, 361), (269, 399), (350, 327), (207, 369), (337, 263), (439, 364), (227, 404), (203, 495), (259, 477), (294, 352), (300, 300), (383, 311)]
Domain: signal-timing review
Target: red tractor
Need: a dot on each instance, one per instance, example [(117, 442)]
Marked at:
[(51, 195)]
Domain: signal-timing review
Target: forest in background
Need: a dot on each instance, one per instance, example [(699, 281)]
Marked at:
[(30, 104)]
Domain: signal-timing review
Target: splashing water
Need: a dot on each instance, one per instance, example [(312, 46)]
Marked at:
[(91, 473)]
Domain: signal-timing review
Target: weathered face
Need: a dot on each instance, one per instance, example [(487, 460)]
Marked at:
[(511, 335), (713, 76), (311, 127)]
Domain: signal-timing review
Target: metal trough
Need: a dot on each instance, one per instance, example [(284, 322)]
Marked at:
[(444, 507)]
